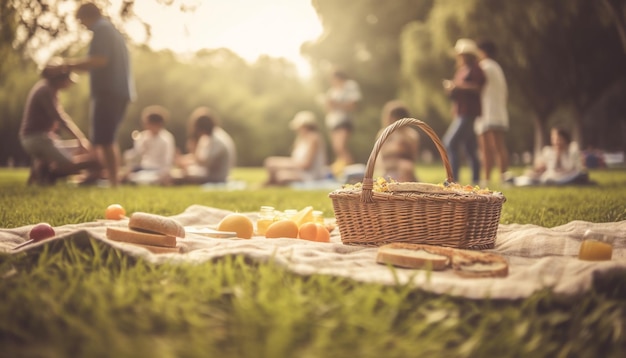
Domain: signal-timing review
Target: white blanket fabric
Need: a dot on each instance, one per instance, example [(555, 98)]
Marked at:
[(538, 257)]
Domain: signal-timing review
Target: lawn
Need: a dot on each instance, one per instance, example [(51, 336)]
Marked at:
[(78, 303)]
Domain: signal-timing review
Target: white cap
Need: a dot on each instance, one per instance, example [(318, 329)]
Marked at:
[(466, 46), (303, 118)]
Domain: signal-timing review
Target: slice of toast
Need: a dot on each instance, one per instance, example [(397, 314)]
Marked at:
[(415, 256), (479, 264), (160, 249), (139, 237)]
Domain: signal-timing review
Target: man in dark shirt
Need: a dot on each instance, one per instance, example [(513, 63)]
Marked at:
[(110, 85)]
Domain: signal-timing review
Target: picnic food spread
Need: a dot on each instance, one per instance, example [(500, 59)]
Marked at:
[(154, 232), (464, 263)]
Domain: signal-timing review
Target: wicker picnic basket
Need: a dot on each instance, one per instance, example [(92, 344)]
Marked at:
[(451, 218)]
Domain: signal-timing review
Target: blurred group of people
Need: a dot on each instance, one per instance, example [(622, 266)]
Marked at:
[(153, 158), (477, 90)]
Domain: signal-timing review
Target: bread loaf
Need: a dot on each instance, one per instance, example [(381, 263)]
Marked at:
[(157, 224), (138, 237)]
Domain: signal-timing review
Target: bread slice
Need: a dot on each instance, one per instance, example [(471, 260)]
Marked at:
[(138, 237), (415, 256), (479, 264), (157, 224), (160, 249)]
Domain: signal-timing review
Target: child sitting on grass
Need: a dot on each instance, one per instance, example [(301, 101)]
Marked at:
[(559, 163)]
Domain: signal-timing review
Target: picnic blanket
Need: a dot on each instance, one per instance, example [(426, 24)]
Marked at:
[(539, 258)]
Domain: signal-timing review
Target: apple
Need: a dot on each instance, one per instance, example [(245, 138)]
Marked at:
[(41, 231)]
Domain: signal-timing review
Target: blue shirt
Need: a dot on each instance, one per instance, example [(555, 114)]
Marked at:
[(114, 79)]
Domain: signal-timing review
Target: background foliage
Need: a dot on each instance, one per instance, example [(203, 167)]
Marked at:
[(563, 60)]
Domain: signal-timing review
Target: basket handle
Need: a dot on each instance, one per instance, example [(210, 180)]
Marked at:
[(368, 181)]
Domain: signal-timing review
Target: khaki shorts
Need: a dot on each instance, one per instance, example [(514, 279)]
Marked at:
[(41, 146)]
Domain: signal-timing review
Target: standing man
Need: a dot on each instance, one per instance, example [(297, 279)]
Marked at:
[(341, 103), (492, 125), (110, 85)]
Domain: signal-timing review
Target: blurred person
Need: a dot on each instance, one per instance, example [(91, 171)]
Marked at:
[(43, 117), (559, 163), (208, 159), (308, 157), (341, 101), (464, 90), (399, 153), (493, 124), (152, 156), (219, 132), (110, 86)]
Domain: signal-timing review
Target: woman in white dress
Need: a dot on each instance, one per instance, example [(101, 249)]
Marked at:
[(307, 162)]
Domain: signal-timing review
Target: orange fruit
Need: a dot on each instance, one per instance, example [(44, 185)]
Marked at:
[(115, 212), (308, 231), (238, 223), (323, 235), (314, 232), (282, 228)]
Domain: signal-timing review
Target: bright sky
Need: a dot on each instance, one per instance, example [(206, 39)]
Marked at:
[(248, 27)]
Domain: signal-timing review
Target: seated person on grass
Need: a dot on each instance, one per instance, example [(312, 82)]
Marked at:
[(399, 152), (152, 156), (43, 117), (559, 163), (307, 162), (208, 159)]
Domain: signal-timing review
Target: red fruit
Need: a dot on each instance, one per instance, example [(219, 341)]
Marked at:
[(41, 231)]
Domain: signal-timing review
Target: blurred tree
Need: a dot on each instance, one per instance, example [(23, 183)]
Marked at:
[(617, 8)]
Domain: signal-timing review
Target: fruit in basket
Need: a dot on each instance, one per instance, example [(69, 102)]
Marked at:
[(282, 228), (238, 223)]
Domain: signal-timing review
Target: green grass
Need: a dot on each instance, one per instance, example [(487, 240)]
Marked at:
[(97, 302)]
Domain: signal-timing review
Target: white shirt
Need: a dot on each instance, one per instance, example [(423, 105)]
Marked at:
[(349, 92), (156, 152), (561, 167), (493, 98)]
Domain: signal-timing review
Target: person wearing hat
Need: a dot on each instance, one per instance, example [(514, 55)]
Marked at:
[(308, 157), (43, 116), (464, 90)]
